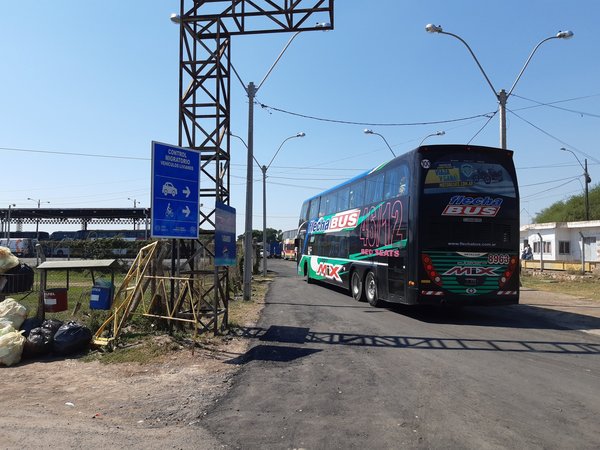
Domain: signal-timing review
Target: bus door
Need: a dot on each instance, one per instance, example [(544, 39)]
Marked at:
[(396, 275)]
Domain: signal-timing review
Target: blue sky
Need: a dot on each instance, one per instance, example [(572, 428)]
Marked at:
[(101, 78)]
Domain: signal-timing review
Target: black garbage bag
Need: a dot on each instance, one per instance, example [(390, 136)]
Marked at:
[(30, 324), (52, 325), (72, 337), (20, 279), (38, 343)]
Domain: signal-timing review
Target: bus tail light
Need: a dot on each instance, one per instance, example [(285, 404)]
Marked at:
[(509, 272), (430, 270)]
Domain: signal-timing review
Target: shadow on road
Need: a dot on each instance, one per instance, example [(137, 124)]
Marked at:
[(285, 334), (274, 353), (513, 316)]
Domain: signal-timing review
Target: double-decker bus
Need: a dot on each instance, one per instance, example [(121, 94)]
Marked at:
[(288, 245), (423, 228)]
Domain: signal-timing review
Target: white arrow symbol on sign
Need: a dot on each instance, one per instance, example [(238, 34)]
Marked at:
[(187, 192), (187, 211)]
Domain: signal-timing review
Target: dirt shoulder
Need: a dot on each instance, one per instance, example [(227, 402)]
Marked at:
[(69, 403)]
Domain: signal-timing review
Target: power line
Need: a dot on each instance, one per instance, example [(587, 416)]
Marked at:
[(307, 178), (347, 122), (546, 190), (91, 155), (545, 182), (481, 129), (552, 105), (554, 137)]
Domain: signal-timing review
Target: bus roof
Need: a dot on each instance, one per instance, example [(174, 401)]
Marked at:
[(409, 154)]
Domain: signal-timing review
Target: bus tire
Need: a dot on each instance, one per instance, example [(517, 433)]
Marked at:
[(371, 289), (356, 287)]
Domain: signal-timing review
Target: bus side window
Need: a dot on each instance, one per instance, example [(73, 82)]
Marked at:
[(374, 188), (314, 208), (328, 204), (342, 199), (304, 212), (404, 179), (357, 194), (396, 182), (392, 183)]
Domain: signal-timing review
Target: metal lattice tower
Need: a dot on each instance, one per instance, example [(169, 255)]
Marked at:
[(206, 28)]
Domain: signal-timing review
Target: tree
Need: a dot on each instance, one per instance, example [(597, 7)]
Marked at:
[(273, 235), (571, 210)]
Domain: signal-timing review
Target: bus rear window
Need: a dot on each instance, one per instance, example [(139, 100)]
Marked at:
[(462, 175)]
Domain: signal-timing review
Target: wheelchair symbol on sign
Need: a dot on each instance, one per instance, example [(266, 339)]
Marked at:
[(169, 211)]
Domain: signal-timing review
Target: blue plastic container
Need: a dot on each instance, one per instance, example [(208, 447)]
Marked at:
[(100, 298)]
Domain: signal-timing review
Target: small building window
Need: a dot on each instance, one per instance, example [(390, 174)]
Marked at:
[(564, 248), (547, 247)]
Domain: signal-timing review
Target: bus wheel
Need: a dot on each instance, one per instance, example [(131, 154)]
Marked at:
[(371, 289), (356, 287)]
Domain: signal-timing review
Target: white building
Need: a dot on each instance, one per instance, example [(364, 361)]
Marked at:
[(562, 241)]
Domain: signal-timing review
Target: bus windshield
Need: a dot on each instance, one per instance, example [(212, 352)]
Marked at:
[(477, 191), (459, 175)]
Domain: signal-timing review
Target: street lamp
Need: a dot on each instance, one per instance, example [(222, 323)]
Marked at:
[(368, 131), (264, 173), (251, 91), (12, 205), (135, 203), (586, 179), (37, 222), (501, 95), (438, 133)]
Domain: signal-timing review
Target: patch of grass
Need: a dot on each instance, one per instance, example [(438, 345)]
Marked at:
[(144, 351), (243, 313), (142, 343), (587, 287)]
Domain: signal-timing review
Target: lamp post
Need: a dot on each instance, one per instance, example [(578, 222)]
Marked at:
[(264, 173), (586, 179), (251, 91), (368, 131), (37, 222), (12, 205), (502, 95), (135, 203), (437, 133)]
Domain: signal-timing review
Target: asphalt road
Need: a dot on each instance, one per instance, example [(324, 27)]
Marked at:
[(327, 372)]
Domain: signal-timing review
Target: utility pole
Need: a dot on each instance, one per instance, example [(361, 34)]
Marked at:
[(249, 174), (501, 95), (588, 180)]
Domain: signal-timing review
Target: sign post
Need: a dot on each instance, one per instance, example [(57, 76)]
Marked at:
[(175, 192), (225, 245)]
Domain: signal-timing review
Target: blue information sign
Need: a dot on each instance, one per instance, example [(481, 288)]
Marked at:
[(225, 250), (175, 192)]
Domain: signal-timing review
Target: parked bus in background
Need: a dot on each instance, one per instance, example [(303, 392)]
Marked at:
[(126, 235), (21, 247), (427, 227), (41, 235), (288, 250)]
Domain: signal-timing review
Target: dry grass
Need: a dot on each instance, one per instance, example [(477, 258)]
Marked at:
[(580, 286), (142, 345)]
